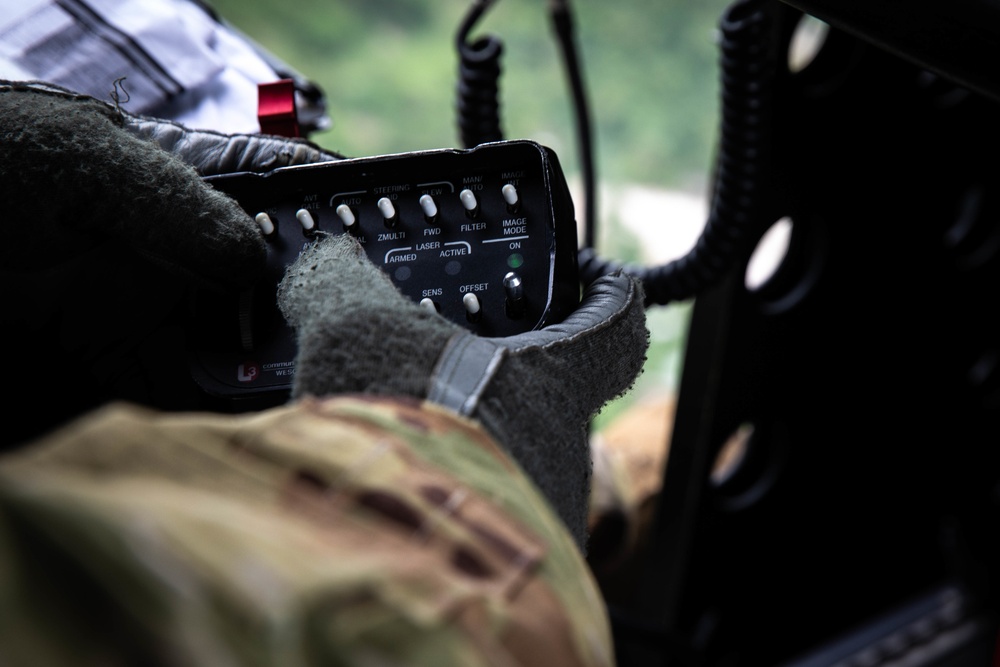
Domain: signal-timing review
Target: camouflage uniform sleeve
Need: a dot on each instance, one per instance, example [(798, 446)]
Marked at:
[(345, 531)]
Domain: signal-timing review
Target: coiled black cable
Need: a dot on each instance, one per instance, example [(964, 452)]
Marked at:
[(479, 71), (562, 25), (739, 197)]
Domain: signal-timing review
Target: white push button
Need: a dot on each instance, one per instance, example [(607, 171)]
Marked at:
[(469, 201), (510, 195), (473, 309), (387, 210), (265, 223), (305, 219), (429, 207), (471, 303), (346, 215)]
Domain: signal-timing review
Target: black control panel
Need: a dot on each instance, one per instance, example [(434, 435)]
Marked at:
[(486, 237)]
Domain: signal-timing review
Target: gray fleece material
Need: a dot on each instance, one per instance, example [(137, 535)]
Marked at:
[(72, 178), (358, 333)]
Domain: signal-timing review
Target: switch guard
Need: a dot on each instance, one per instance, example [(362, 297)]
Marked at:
[(242, 347)]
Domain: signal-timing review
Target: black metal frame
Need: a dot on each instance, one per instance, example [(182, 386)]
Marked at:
[(868, 367)]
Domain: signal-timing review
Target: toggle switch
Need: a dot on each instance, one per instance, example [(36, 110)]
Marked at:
[(429, 305), (429, 207), (470, 202), (388, 211), (306, 220), (265, 223), (514, 289), (510, 196), (346, 215), (473, 309)]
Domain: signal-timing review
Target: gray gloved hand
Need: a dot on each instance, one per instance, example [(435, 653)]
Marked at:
[(78, 171), (534, 392), (74, 177), (108, 225)]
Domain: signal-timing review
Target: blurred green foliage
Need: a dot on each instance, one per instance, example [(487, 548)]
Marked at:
[(390, 68)]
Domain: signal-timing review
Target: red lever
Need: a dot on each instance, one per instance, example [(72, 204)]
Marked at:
[(276, 108)]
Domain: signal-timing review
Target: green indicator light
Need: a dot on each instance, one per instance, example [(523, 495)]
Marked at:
[(515, 260)]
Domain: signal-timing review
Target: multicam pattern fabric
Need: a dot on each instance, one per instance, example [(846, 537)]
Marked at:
[(345, 531)]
